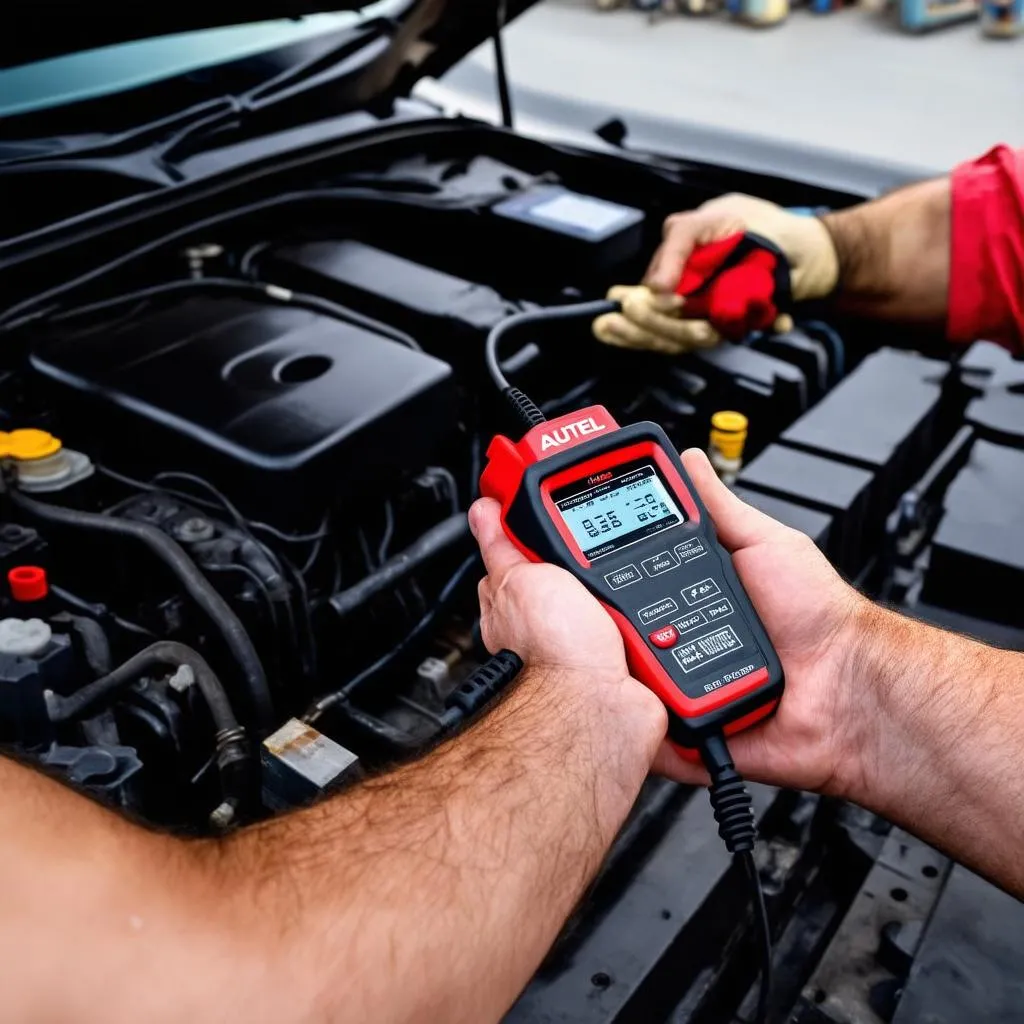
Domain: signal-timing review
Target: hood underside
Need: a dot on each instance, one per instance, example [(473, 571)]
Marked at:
[(38, 29)]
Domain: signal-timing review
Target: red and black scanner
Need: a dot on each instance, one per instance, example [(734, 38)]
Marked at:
[(615, 507)]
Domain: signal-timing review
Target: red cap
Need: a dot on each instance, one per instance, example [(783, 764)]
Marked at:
[(28, 583)]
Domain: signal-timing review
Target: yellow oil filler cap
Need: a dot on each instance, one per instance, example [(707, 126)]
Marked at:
[(28, 444), (729, 433)]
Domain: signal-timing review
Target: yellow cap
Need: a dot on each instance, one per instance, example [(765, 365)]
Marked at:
[(729, 433), (28, 444)]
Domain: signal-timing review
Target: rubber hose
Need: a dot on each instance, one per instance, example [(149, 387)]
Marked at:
[(386, 660), (233, 763), (163, 654), (93, 638), (438, 538), (192, 580)]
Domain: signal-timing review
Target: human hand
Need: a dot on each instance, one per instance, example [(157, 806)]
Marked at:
[(540, 611), (653, 317), (814, 620), (553, 623)]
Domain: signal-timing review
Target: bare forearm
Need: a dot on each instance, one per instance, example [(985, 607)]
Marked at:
[(894, 255), (441, 886), (98, 911), (431, 893), (941, 742)]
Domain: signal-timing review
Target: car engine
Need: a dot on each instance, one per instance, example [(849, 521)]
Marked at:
[(237, 455)]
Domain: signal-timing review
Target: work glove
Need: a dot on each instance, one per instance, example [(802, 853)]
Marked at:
[(654, 317)]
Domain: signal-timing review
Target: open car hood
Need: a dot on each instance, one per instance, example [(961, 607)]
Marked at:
[(437, 33)]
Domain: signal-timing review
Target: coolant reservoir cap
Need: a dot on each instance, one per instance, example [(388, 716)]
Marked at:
[(28, 443), (729, 433), (24, 637)]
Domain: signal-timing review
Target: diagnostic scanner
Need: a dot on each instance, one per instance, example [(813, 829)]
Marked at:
[(614, 506)]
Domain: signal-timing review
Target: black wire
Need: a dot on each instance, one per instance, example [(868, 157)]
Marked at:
[(577, 310), (100, 612), (308, 656), (192, 580), (236, 516), (253, 578), (220, 505), (245, 263), (733, 810), (500, 70), (265, 291), (388, 534), (764, 935), (32, 309), (312, 558), (343, 692)]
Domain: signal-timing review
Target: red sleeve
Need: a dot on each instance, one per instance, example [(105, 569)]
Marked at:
[(986, 277)]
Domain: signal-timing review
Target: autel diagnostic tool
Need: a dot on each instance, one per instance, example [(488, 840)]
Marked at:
[(615, 507)]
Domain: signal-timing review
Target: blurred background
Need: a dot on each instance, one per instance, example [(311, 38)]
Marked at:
[(923, 85)]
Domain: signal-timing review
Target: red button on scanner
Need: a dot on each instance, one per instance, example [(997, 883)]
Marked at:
[(664, 637)]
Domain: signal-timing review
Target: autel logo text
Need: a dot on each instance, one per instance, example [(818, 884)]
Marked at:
[(569, 433)]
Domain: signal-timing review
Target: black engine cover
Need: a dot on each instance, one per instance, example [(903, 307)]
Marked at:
[(274, 396)]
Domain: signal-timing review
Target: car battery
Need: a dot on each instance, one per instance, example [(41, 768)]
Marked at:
[(814, 524), (885, 417), (833, 488), (769, 391), (977, 554), (809, 355), (998, 416), (567, 227)]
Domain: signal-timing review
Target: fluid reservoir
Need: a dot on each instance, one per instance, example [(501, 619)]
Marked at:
[(43, 464), (725, 443)]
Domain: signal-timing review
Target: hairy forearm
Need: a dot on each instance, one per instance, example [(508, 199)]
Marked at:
[(941, 736), (430, 893), (894, 254), (441, 886), (100, 912)]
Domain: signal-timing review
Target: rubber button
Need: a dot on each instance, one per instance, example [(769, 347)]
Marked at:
[(664, 637)]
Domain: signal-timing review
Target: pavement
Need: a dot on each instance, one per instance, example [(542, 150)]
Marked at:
[(849, 82)]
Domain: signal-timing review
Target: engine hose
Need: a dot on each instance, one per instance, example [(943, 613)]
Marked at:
[(386, 660), (165, 654), (92, 637), (444, 535), (233, 762), (188, 575)]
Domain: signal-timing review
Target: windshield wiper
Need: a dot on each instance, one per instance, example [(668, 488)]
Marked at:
[(314, 74), (168, 137), (129, 141)]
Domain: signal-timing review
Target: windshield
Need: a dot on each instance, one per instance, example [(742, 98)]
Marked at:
[(113, 69)]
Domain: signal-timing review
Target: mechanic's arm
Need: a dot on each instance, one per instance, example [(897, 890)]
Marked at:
[(922, 726), (944, 253), (431, 893)]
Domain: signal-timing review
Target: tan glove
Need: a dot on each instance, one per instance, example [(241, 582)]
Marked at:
[(653, 317)]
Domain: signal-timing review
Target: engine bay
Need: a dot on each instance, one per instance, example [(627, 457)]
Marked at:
[(243, 452)]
